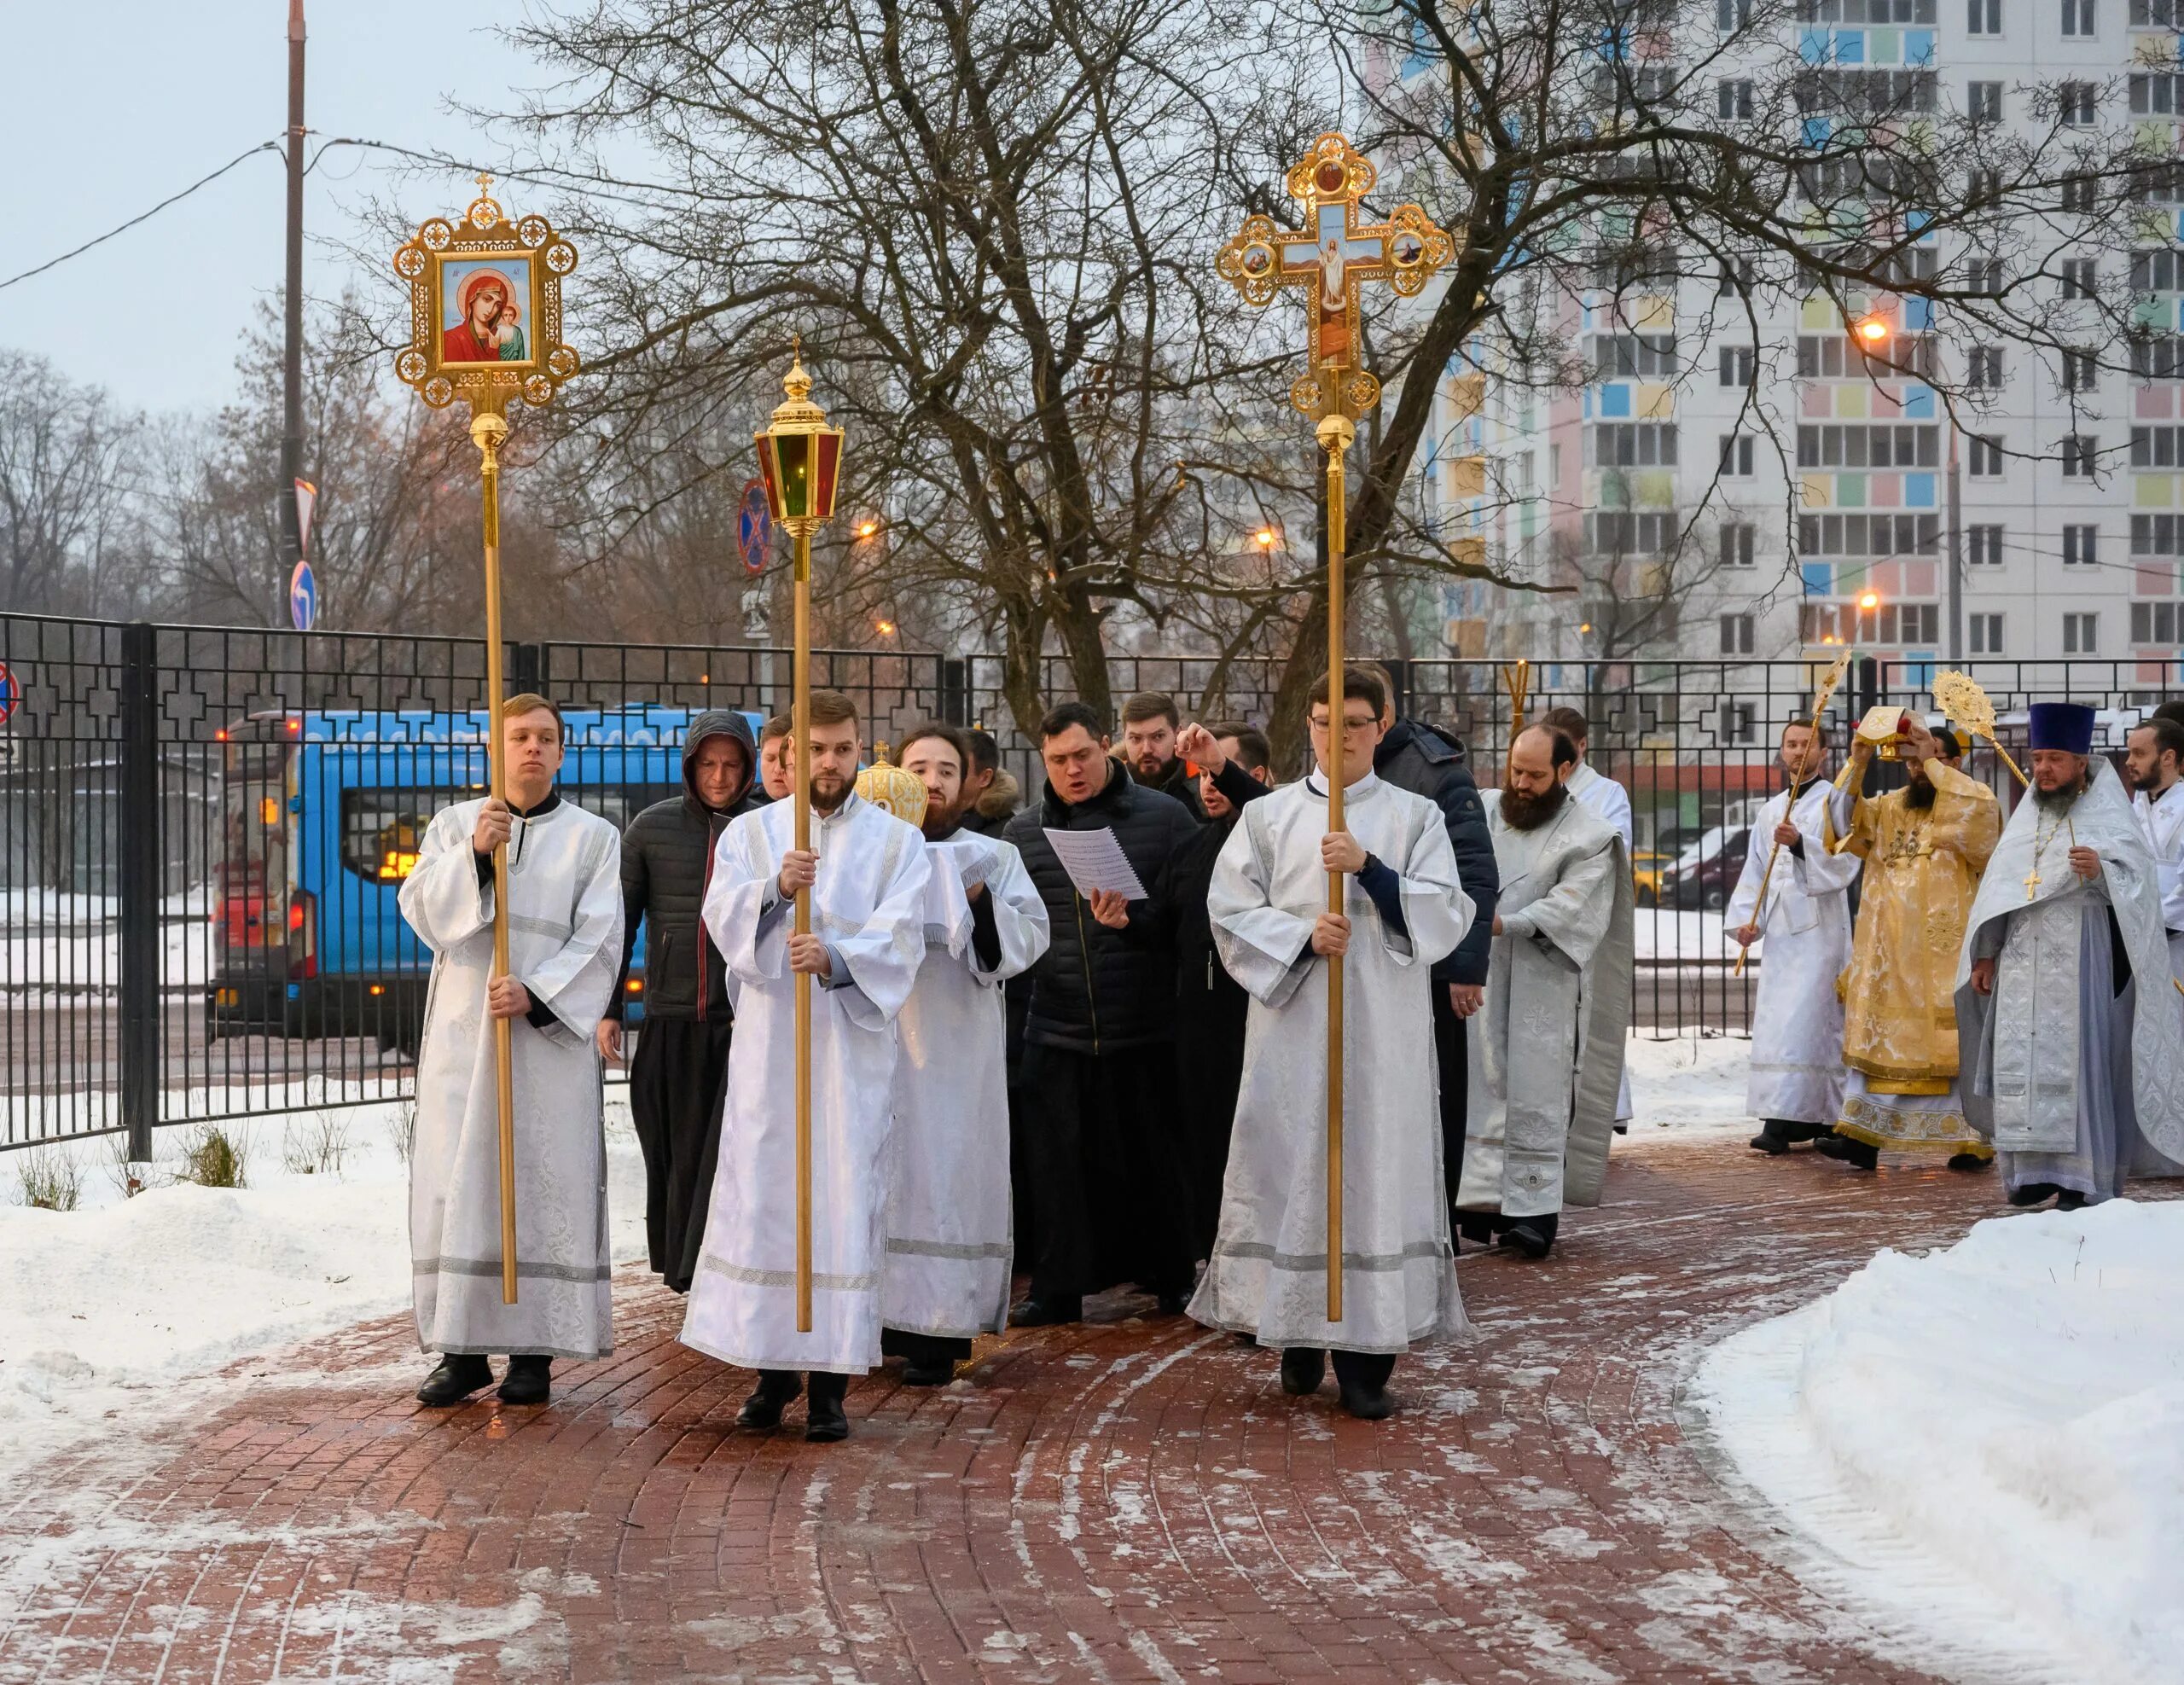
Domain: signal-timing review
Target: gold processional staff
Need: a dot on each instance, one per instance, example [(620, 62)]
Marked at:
[(1332, 257), (485, 327)]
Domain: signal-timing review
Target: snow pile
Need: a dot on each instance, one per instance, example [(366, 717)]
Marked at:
[(1986, 1444), (103, 1308), (1689, 1083)]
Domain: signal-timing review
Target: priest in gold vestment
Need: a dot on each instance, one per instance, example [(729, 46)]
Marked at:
[(1924, 846)]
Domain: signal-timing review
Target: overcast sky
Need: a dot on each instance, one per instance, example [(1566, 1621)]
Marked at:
[(106, 108)]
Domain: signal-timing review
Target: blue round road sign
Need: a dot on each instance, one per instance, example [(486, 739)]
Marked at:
[(303, 598), (10, 693), (754, 530)]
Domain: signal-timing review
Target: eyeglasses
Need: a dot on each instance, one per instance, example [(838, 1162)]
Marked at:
[(1350, 723)]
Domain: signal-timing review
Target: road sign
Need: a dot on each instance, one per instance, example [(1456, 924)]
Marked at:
[(303, 598), (10, 693), (754, 532)]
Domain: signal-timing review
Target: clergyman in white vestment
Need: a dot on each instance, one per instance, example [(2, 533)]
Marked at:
[(1547, 1050), (2074, 1062), (564, 947), (950, 1244), (2155, 769), (1404, 909), (1795, 1083), (1609, 799), (866, 872)]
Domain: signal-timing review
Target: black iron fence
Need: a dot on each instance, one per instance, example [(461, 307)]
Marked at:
[(203, 830)]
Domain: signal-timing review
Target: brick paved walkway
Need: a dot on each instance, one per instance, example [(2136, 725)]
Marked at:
[(1133, 1500)]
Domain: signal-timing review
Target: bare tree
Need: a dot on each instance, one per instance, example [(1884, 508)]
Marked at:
[(63, 450)]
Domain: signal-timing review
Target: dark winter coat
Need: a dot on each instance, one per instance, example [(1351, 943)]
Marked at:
[(1427, 761), (1095, 989), (1177, 783), (667, 862), (997, 804)]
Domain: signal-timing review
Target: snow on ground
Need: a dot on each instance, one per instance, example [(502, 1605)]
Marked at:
[(1982, 1450), (1690, 1083), (105, 1309)]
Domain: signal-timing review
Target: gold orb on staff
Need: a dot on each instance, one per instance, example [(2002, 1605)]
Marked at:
[(485, 328), (800, 462), (1332, 258)]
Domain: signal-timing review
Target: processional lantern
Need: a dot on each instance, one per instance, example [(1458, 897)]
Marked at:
[(485, 328), (1332, 257), (800, 462)]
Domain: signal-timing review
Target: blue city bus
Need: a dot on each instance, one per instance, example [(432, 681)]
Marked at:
[(322, 816)]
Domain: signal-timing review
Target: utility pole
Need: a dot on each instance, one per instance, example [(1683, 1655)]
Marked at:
[(1955, 553), (292, 355)]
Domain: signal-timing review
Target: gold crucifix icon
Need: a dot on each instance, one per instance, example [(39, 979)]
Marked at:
[(1332, 257)]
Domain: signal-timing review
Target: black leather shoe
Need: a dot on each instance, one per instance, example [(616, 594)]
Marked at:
[(1860, 1155), (776, 1389), (1969, 1161), (459, 1375), (824, 1419), (1367, 1403), (2070, 1199), (1046, 1313), (529, 1380), (1768, 1142), (1173, 1304), (1523, 1237), (1303, 1368), (937, 1374)]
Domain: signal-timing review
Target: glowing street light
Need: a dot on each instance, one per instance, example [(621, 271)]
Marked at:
[(1870, 599), (1873, 330), (865, 529), (1264, 537)]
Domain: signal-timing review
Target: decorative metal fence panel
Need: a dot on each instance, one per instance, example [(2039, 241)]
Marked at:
[(204, 830)]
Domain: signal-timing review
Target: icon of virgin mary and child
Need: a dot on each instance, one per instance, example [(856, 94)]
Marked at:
[(491, 330)]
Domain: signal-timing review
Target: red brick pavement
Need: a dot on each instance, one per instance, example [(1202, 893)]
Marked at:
[(1131, 1499)]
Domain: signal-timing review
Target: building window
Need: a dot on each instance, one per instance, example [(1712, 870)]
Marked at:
[(2157, 447), (1634, 356), (2081, 635), (2081, 546), (2157, 269), (1634, 445), (2154, 93), (2075, 101), (1869, 447), (1983, 101), (1986, 631), (1736, 635), (2079, 280), (2154, 622), (1984, 453), (1900, 623), (1981, 186), (2078, 17), (1983, 276), (1732, 100), (1983, 17), (1833, 356), (1734, 277), (2079, 451), (1731, 16), (1984, 546), (1737, 454), (2153, 13), (1869, 535), (2081, 195), (2158, 356), (2080, 371), (1736, 543), (1620, 533), (1739, 365), (2156, 535), (1984, 367)]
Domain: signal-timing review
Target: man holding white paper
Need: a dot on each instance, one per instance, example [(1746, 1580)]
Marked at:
[(1110, 1179)]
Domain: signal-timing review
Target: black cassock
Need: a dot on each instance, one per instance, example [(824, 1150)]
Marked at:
[(678, 1082)]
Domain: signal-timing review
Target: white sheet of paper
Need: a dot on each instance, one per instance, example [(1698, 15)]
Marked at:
[(1096, 860)]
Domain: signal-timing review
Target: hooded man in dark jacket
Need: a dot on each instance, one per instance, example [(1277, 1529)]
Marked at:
[(1430, 763), (1110, 1179), (680, 1075)]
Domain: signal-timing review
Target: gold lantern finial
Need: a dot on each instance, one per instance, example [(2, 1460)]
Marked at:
[(799, 456)]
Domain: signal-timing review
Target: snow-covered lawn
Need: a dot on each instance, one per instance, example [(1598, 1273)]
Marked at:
[(1982, 1450), (105, 1308), (1690, 1083)]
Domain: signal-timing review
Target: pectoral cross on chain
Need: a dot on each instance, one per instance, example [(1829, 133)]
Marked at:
[(2032, 881)]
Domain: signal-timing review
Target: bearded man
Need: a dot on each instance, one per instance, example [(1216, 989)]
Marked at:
[(2153, 765), (1924, 846), (866, 873), (2072, 1045), (1547, 1050), (1150, 722), (946, 1273)]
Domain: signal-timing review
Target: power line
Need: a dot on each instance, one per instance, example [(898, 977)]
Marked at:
[(146, 215)]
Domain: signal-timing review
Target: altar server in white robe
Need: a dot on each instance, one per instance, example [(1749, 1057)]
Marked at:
[(1795, 1083), (1404, 909), (2073, 1053), (1609, 799), (2154, 766), (565, 952), (1547, 1052), (866, 872), (949, 1244)]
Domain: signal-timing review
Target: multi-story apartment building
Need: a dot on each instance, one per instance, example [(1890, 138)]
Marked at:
[(1732, 480)]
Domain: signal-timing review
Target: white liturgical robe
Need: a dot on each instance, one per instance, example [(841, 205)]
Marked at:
[(1609, 799), (1796, 1071), (565, 946), (949, 1244), (1267, 1274), (868, 907), (2162, 818)]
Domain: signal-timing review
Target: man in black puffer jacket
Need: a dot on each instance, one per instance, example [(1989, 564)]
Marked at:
[(680, 1075), (1430, 763), (1110, 1181)]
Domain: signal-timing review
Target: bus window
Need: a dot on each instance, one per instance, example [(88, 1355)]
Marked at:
[(383, 829)]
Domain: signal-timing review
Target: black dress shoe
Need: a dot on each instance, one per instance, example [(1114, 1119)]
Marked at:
[(459, 1375), (2034, 1193), (529, 1380), (776, 1389), (1529, 1238), (937, 1373), (824, 1419), (1970, 1161), (1303, 1368), (1046, 1313), (2070, 1199), (1173, 1304), (1367, 1403), (1768, 1142), (1860, 1155)]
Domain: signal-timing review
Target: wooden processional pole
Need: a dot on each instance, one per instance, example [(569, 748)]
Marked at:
[(1335, 434), (487, 430), (800, 714)]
